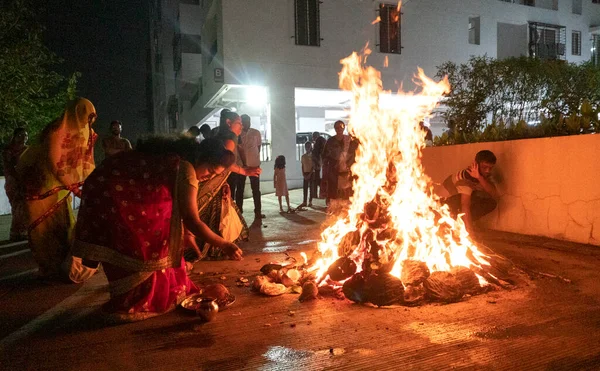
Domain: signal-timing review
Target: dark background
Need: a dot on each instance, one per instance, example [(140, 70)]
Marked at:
[(107, 41)]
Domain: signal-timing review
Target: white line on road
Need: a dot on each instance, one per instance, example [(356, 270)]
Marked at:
[(88, 298), (13, 244), (24, 273), (20, 252)]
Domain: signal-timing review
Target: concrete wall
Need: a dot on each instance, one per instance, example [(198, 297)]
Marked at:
[(549, 186)]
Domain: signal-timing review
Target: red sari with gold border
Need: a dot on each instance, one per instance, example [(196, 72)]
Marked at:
[(129, 221)]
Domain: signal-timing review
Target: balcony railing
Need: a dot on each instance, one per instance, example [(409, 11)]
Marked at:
[(549, 51), (544, 4)]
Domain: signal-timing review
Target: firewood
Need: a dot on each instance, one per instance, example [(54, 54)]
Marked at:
[(414, 272), (443, 287), (341, 269), (349, 243), (384, 289), (469, 283), (354, 288), (414, 295)]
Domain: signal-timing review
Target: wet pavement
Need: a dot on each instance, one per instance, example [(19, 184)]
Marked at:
[(550, 322)]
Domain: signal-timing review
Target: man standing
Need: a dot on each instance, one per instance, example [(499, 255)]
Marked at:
[(193, 132), (338, 157), (317, 157), (206, 131), (114, 143), (308, 174), (251, 141), (472, 191)]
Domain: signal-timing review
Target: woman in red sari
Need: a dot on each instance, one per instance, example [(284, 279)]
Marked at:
[(133, 210)]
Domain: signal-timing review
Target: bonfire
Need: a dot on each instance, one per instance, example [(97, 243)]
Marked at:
[(395, 243)]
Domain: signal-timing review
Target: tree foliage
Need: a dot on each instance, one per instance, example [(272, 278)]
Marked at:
[(32, 92), (516, 98)]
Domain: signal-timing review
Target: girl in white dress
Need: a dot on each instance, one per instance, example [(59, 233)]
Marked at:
[(280, 183)]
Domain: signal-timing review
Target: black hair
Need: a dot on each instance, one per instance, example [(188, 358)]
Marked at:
[(227, 115), (245, 118), (223, 116), (280, 162), (194, 131), (205, 128), (115, 122), (340, 122), (485, 156), (210, 151)]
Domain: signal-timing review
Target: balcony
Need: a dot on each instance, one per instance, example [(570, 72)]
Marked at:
[(547, 41), (543, 4)]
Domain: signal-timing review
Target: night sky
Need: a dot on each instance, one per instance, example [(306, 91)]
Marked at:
[(107, 41)]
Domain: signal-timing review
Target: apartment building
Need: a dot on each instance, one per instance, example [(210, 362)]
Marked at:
[(278, 60)]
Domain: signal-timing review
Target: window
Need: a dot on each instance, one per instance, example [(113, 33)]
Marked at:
[(547, 41), (306, 13), (390, 29), (474, 30), (596, 50), (576, 7), (576, 42)]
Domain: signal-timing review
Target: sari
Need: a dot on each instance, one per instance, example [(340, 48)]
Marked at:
[(14, 191), (50, 171), (129, 221), (210, 194)]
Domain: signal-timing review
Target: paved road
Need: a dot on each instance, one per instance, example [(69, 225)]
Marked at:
[(551, 321)]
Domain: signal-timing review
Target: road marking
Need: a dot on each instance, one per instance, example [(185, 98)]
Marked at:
[(18, 274), (13, 244), (20, 252), (87, 299)]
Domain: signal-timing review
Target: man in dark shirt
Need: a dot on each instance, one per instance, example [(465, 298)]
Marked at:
[(472, 190), (317, 157)]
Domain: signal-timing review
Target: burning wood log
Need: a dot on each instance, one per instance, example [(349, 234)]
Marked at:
[(349, 243), (414, 295), (443, 286), (469, 283), (354, 288), (414, 272), (341, 269), (384, 289)]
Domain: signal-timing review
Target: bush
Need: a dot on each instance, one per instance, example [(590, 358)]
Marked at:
[(515, 98)]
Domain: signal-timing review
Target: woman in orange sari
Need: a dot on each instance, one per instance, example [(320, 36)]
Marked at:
[(51, 170), (131, 219)]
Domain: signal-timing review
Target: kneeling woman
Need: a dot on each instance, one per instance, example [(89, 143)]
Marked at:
[(133, 209)]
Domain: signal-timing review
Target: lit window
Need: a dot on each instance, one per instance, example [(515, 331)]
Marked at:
[(390, 40)]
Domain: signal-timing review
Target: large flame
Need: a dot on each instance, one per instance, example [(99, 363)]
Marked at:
[(388, 173)]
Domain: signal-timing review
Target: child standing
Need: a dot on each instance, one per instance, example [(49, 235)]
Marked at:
[(307, 173), (280, 183)]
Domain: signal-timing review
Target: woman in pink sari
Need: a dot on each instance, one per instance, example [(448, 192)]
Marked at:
[(133, 210)]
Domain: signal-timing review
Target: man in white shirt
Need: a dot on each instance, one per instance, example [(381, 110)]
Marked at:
[(251, 142)]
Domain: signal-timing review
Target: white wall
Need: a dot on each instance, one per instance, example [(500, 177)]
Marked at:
[(548, 186)]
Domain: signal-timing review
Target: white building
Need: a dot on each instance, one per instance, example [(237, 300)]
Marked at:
[(278, 60)]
